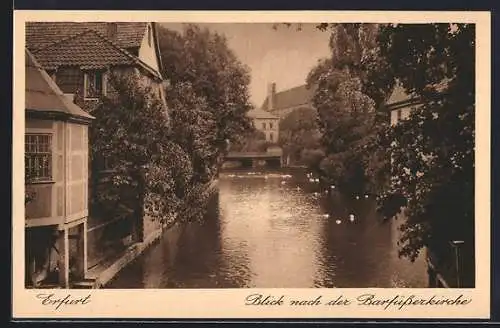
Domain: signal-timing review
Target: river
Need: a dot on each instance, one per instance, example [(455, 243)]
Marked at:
[(276, 230)]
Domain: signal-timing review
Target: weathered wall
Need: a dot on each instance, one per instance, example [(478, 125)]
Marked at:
[(147, 51)]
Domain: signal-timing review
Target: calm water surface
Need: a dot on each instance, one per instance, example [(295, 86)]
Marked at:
[(273, 230)]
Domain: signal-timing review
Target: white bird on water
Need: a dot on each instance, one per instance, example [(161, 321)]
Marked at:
[(326, 215), (351, 217), (338, 221), (357, 197), (366, 195)]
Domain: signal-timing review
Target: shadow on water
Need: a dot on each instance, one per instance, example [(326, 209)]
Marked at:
[(272, 229)]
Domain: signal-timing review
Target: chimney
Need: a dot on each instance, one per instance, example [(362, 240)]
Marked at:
[(111, 30), (271, 96)]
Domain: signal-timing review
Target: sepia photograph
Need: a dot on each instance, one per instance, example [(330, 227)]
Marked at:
[(249, 155)]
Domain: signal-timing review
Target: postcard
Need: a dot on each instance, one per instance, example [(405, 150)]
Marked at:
[(273, 164)]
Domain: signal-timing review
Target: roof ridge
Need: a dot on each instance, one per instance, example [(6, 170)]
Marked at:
[(124, 51)]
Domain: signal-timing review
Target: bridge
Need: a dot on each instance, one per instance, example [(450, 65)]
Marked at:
[(254, 159)]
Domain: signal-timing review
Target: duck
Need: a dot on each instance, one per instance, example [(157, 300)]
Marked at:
[(357, 197), (366, 195), (338, 221)]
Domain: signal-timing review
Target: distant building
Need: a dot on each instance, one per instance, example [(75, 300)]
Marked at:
[(265, 122), (56, 174), (400, 104), (284, 102)]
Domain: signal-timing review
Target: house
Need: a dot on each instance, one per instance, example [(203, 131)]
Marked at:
[(400, 104), (265, 122), (56, 171), (284, 102), (80, 58)]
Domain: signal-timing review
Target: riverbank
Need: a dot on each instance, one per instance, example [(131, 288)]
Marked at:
[(102, 274)]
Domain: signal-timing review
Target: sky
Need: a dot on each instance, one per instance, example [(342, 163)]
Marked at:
[(284, 56)]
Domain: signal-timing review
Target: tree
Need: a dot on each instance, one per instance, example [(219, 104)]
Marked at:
[(346, 98), (217, 81), (252, 140), (433, 150), (299, 131), (194, 129), (147, 173)]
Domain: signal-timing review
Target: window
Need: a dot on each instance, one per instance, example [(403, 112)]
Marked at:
[(270, 126), (69, 79), (38, 157), (94, 84), (263, 126), (400, 113), (271, 136)]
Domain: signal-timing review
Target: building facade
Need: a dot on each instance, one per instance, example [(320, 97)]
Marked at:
[(265, 122)]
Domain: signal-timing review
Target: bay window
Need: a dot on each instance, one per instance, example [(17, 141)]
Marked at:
[(38, 157)]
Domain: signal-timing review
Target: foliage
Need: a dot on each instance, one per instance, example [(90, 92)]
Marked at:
[(298, 132), (433, 150), (253, 140), (217, 80), (29, 193), (146, 170), (194, 129), (346, 99)]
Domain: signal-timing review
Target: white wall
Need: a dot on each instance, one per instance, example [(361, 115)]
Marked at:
[(147, 53), (405, 113), (274, 131)]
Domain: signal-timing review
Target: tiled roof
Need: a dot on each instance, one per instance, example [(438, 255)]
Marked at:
[(293, 97), (43, 95), (260, 113), (87, 50), (43, 34)]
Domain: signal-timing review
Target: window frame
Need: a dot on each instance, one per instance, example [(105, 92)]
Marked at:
[(263, 125), (35, 155), (399, 115), (86, 79)]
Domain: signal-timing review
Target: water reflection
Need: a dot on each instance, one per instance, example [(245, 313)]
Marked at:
[(274, 230)]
